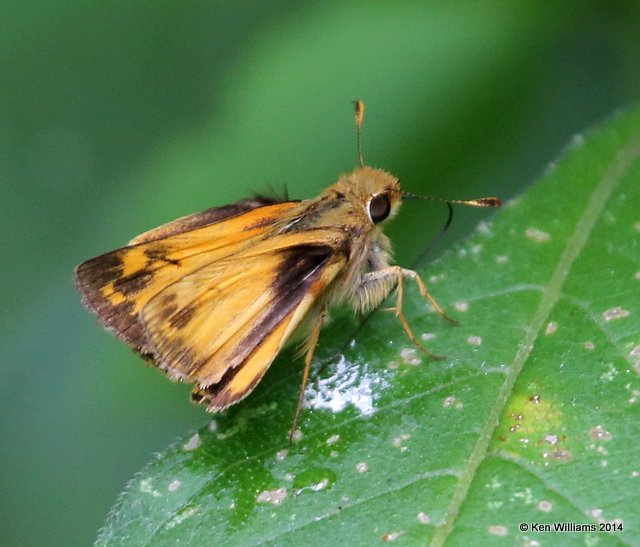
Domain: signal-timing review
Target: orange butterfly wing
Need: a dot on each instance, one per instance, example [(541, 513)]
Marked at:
[(214, 304), (117, 285), (225, 334)]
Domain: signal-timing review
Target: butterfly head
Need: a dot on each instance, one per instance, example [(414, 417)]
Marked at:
[(376, 190)]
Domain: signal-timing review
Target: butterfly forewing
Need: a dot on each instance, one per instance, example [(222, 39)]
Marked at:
[(117, 285)]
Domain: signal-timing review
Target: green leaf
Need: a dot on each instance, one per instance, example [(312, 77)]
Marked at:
[(533, 418)]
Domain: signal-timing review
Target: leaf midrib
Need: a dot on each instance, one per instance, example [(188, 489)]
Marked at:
[(551, 295)]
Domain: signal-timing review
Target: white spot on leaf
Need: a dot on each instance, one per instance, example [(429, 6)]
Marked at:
[(333, 439), (615, 313), (397, 442), (193, 443), (536, 235), (274, 497), (474, 340), (545, 506), (599, 433), (392, 536), (348, 385), (498, 530), (316, 487), (452, 402), (410, 356), (595, 513)]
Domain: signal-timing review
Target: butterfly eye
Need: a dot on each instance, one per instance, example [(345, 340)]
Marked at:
[(379, 208)]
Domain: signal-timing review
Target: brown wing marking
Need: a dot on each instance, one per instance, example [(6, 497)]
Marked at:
[(209, 216), (117, 285), (212, 320), (207, 313), (266, 338)]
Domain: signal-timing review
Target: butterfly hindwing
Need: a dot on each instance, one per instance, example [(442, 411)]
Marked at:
[(223, 335)]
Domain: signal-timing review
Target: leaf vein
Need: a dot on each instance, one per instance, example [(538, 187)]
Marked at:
[(576, 242)]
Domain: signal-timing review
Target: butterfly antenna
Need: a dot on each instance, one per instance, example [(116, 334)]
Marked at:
[(480, 202), (359, 117)]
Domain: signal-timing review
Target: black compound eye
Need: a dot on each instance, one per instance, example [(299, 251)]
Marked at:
[(379, 208)]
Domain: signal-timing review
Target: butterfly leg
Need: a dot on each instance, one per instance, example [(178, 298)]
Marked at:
[(311, 344), (401, 273), (375, 286), (426, 294)]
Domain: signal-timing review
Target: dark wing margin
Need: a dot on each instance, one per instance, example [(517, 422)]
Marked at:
[(302, 268), (91, 276)]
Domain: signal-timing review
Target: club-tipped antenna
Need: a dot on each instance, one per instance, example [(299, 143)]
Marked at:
[(359, 118), (480, 202), (489, 201)]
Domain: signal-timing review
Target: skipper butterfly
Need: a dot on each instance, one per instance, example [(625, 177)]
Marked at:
[(211, 298)]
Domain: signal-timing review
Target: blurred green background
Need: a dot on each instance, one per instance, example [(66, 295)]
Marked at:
[(119, 116)]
